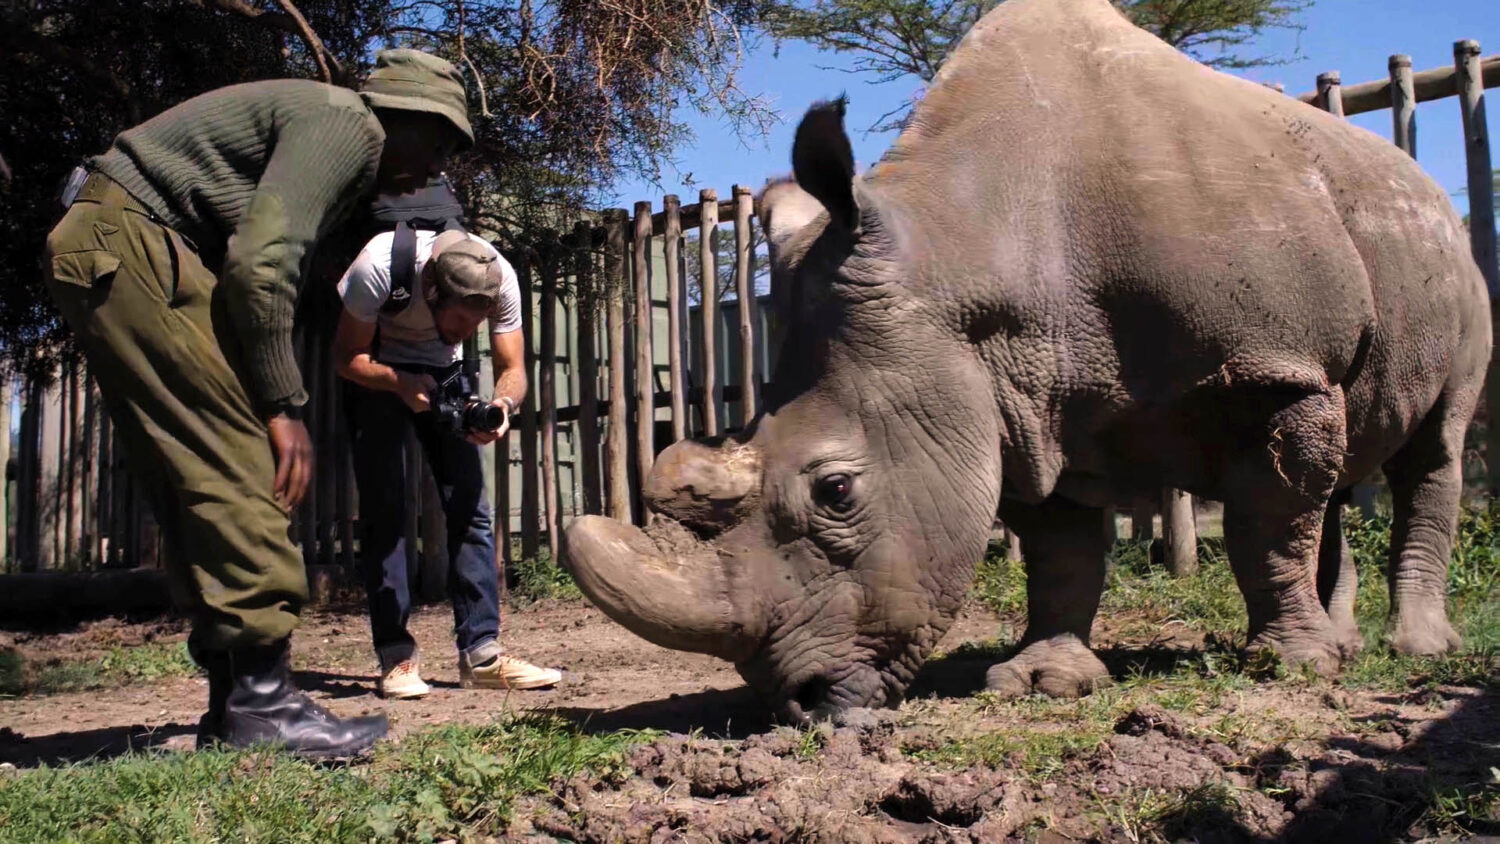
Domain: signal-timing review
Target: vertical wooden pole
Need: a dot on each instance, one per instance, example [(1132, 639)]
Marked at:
[(1331, 93), (1179, 533), (672, 257), (73, 466), (1012, 546), (6, 392), (1403, 105), (548, 384), (1481, 220), (89, 500), (616, 448), (645, 389), (1141, 527), (27, 493), (103, 542), (120, 550), (744, 209), (530, 496), (51, 473), (587, 299), (708, 305)]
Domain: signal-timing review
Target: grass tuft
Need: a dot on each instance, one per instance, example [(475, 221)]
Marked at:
[(444, 783), (120, 667)]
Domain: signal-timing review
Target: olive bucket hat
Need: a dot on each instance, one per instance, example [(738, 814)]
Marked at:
[(412, 80)]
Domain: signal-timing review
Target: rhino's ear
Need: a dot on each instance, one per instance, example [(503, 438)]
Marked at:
[(823, 161)]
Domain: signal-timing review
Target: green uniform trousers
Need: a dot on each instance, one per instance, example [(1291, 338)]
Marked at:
[(152, 324)]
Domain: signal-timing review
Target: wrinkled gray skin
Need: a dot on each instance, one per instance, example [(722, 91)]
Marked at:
[(1090, 268)]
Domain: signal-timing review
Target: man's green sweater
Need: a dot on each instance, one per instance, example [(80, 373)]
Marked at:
[(256, 173)]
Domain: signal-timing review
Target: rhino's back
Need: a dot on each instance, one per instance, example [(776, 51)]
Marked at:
[(1175, 224)]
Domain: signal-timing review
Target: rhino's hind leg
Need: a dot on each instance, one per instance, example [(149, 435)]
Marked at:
[(1337, 578), (1277, 492), (1426, 478), (1064, 553)]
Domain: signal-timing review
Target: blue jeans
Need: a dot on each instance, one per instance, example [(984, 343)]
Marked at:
[(380, 422)]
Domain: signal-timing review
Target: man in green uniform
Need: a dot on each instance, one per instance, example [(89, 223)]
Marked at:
[(178, 265)]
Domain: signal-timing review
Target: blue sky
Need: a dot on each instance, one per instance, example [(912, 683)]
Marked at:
[(1354, 37)]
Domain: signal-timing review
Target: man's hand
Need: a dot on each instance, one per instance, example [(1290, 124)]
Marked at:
[(294, 459), (416, 390), (487, 437)]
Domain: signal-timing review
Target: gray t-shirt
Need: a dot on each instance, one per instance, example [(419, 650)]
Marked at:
[(411, 336)]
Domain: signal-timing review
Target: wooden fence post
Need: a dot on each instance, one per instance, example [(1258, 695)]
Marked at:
[(672, 256), (1179, 533), (1141, 527), (616, 447), (1470, 85), (708, 305), (88, 506), (744, 209), (645, 390), (51, 479), (530, 503), (1403, 105), (587, 298), (6, 391), (547, 382), (27, 469), (1330, 93)]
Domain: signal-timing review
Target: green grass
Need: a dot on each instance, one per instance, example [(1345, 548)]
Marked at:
[(1142, 599), (440, 783), (539, 578), (1473, 606), (121, 666)]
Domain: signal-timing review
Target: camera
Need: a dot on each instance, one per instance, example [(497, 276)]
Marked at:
[(460, 411)]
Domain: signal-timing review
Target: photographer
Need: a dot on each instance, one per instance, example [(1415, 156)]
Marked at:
[(399, 359)]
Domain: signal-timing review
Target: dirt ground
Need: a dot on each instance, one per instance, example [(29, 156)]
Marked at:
[(1265, 761)]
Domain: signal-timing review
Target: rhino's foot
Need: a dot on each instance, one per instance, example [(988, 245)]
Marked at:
[(1062, 667), (1348, 639), (1423, 633), (1321, 653)]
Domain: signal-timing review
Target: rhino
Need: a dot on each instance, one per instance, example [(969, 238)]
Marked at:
[(1087, 269)]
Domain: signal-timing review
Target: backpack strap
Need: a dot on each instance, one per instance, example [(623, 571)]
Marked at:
[(403, 269)]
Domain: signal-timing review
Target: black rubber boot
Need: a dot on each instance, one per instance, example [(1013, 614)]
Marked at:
[(263, 707), (216, 665)]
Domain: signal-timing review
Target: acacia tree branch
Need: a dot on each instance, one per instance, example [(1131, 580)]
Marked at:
[(484, 108), (292, 22), (314, 43)]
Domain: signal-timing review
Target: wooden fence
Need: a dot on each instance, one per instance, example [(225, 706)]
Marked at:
[(612, 385)]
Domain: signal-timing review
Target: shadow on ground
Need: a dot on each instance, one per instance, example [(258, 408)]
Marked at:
[(87, 745), (721, 714)]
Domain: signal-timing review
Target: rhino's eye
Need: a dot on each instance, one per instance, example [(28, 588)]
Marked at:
[(835, 492)]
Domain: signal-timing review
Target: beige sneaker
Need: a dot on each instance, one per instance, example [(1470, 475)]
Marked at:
[(505, 672), (403, 681)]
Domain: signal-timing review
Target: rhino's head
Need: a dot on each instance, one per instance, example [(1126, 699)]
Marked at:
[(827, 548)]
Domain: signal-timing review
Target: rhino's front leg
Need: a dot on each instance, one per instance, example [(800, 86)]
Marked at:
[(1064, 552)]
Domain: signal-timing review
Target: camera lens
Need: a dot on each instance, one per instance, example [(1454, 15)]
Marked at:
[(483, 416)]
